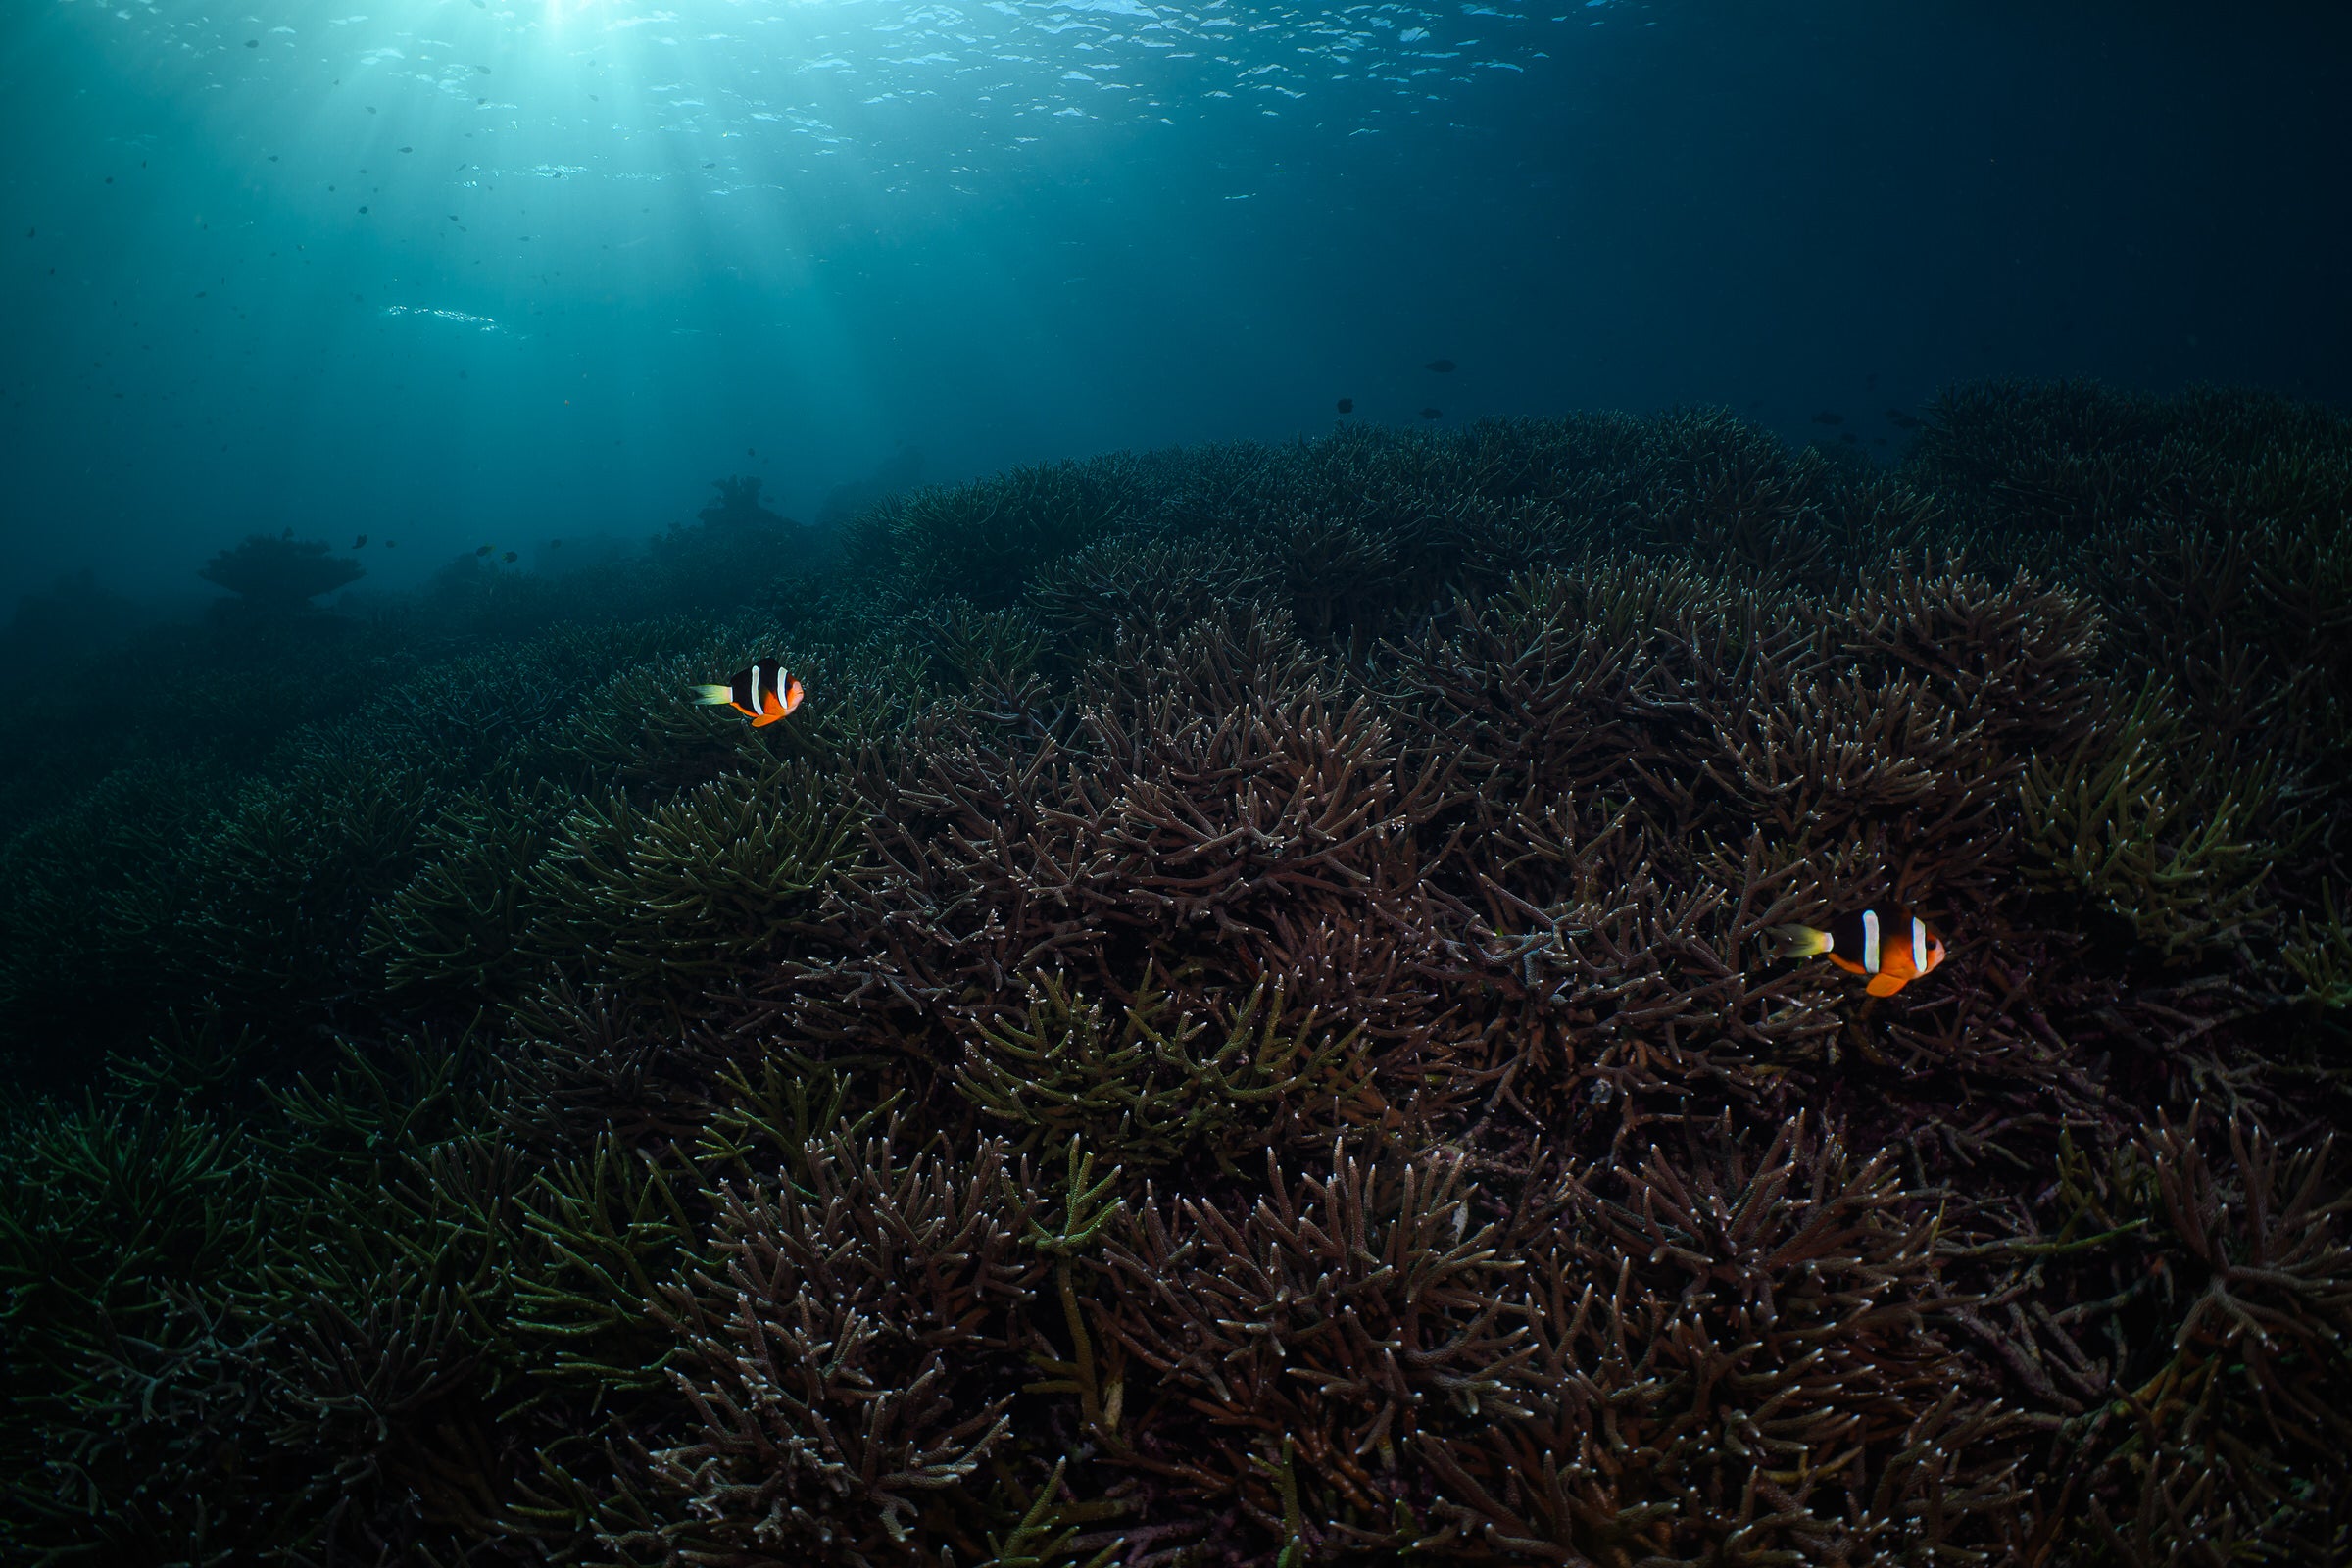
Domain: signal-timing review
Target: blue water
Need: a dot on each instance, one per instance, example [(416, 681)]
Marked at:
[(449, 273)]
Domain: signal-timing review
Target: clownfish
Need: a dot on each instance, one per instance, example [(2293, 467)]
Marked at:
[(762, 694), (1893, 949)]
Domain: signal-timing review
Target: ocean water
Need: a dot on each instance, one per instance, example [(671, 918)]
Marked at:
[(1098, 784), (456, 272)]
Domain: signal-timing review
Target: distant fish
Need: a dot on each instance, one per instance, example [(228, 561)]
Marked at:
[(1433, 414), (1849, 438), (1893, 949), (508, 556), (361, 542), (751, 452), (1442, 367), (485, 550), (1346, 404), (1903, 421), (553, 544), (762, 694), (389, 543), (1825, 416)]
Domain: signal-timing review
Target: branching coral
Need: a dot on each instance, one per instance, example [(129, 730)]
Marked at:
[(284, 882), (2195, 1390), (2133, 821), (838, 1370), (1319, 1332), (685, 892), (982, 540), (1198, 797), (1146, 588), (1734, 1363), (1235, 1026), (1155, 1088), (127, 1412), (457, 930)]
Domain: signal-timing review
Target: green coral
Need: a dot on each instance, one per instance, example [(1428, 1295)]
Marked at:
[(2135, 823), (458, 930), (1155, 1086), (692, 890), (128, 1412)]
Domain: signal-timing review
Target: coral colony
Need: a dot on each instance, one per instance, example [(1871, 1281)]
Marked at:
[(1238, 1023)]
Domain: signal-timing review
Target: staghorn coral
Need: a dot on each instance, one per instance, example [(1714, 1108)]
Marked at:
[(2134, 823), (1195, 799), (687, 892), (2194, 1392), (982, 540), (1317, 1334), (837, 1371), (130, 1411), (1730, 1359), (1153, 1089), (458, 931), (282, 883), (1143, 587), (978, 1113)]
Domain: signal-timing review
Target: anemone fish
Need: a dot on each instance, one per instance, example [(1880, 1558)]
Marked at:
[(762, 694), (1893, 949)]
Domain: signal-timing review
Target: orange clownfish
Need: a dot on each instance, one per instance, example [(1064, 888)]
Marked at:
[(1893, 949), (762, 694)]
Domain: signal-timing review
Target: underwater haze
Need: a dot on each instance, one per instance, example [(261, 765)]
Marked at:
[(453, 271)]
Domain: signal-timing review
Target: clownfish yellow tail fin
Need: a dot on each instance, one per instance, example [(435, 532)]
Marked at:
[(711, 695), (1797, 941)]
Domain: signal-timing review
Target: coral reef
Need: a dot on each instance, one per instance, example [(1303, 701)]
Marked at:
[(1234, 1027), (273, 575)]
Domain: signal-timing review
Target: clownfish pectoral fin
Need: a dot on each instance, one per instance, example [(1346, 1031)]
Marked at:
[(1798, 941), (713, 695), (1885, 985)]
